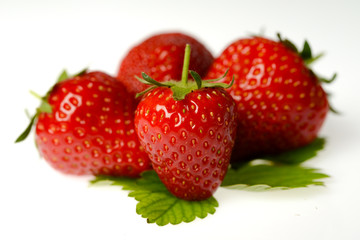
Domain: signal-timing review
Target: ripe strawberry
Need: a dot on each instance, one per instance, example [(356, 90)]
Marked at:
[(188, 132), (88, 128), (161, 56), (280, 102)]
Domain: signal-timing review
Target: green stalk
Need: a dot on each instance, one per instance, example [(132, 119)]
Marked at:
[(185, 70), (181, 88)]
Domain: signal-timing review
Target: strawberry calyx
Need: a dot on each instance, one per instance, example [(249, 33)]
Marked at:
[(181, 88), (308, 57), (44, 107), (306, 53)]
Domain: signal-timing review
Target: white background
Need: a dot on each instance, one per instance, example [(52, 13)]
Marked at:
[(40, 38)]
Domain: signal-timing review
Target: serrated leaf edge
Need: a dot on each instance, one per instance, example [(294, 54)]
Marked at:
[(140, 194)]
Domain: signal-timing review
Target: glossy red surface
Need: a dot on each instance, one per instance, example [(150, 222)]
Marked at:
[(280, 103), (189, 141), (91, 128), (161, 57)]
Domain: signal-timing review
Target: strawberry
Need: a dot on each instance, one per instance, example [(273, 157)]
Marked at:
[(281, 104), (85, 126), (188, 130), (161, 56)]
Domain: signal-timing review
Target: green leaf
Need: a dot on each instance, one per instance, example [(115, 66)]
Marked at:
[(145, 91), (218, 79), (197, 78), (28, 115), (268, 177), (126, 183), (157, 204), (309, 61), (299, 155), (306, 52), (63, 76), (80, 73), (218, 84), (287, 43), (328, 80), (333, 110), (44, 105), (148, 79), (142, 80), (27, 131)]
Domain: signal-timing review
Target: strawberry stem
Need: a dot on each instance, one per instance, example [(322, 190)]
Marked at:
[(185, 70), (181, 88)]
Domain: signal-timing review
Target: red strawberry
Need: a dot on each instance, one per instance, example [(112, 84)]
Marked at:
[(188, 132), (89, 129), (280, 102), (161, 56)]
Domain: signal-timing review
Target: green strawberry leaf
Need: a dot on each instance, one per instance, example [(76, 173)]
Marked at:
[(218, 79), (209, 84), (63, 76), (145, 91), (328, 80), (83, 71), (309, 61), (125, 183), (287, 43), (306, 52), (44, 105), (197, 78), (157, 204), (298, 155), (27, 131), (148, 80), (268, 177), (181, 88)]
